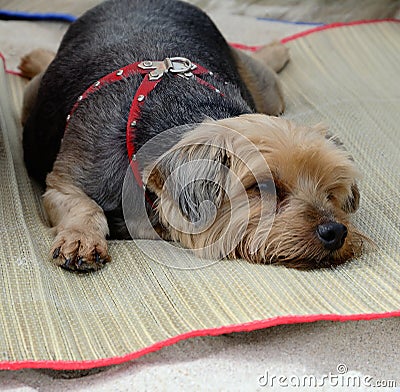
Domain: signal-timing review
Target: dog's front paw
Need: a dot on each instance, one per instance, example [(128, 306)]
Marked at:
[(80, 251)]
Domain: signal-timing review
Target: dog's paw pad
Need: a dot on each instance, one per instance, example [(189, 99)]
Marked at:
[(80, 251)]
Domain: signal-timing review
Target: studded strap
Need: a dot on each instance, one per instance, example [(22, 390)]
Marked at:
[(110, 78), (148, 84)]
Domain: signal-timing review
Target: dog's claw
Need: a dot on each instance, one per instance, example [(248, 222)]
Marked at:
[(56, 252), (100, 260), (68, 264), (79, 262)]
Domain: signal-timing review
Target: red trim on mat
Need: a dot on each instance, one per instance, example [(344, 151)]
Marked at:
[(245, 327), (253, 48), (334, 25), (250, 48), (5, 67)]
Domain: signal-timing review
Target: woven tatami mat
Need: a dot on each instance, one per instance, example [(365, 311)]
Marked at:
[(346, 77)]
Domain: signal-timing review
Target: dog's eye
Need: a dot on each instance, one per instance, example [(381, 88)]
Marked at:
[(330, 196), (267, 186)]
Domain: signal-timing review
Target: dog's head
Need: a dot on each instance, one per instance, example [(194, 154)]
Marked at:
[(261, 188)]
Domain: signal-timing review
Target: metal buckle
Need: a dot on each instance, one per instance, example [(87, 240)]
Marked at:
[(176, 65), (179, 65)]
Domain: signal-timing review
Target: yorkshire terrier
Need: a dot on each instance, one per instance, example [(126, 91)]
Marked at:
[(230, 180)]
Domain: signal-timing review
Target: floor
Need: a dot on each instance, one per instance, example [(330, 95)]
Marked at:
[(255, 361)]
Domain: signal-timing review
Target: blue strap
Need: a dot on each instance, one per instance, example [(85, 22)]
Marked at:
[(21, 15), (291, 22)]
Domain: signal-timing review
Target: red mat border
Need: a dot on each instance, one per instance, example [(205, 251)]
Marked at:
[(335, 25), (245, 327), (5, 67), (253, 48)]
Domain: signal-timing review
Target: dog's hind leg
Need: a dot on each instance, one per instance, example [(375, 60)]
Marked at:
[(79, 224), (275, 55), (262, 80), (32, 66), (35, 62)]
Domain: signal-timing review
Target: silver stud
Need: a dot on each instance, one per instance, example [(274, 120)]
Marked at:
[(225, 83), (217, 91), (211, 73), (120, 72), (68, 117), (133, 124), (147, 63), (140, 98), (97, 84), (134, 157), (80, 98)]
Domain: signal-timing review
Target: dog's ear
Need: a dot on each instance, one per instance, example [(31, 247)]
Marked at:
[(353, 201), (193, 177)]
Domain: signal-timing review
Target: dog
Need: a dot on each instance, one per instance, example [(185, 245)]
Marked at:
[(230, 179)]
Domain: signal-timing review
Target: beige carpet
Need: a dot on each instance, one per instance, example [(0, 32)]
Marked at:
[(345, 77)]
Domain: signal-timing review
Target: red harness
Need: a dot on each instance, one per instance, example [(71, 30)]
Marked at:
[(153, 71)]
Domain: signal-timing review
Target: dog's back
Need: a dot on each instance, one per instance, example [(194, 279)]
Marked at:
[(110, 36)]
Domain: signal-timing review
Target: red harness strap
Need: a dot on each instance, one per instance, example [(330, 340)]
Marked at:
[(153, 71)]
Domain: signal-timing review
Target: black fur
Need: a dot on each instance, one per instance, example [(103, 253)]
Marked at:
[(110, 36)]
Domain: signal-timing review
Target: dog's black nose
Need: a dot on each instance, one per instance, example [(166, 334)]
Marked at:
[(332, 235)]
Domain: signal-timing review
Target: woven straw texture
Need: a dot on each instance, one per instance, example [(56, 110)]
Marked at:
[(346, 77)]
